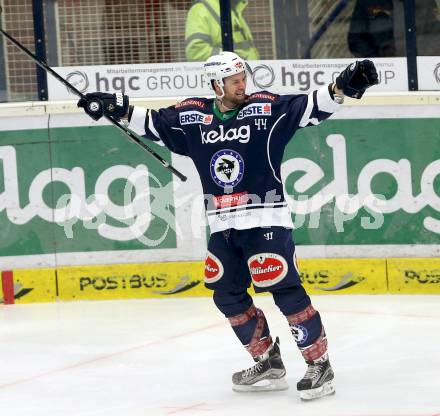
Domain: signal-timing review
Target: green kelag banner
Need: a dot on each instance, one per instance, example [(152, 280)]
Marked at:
[(86, 189), (333, 171), (65, 190)]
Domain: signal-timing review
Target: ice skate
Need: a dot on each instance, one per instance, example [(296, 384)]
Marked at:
[(317, 382), (266, 375)]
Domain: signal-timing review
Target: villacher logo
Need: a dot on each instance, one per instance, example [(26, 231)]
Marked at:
[(213, 268)]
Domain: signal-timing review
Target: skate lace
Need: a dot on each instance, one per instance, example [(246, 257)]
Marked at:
[(253, 370), (313, 371)]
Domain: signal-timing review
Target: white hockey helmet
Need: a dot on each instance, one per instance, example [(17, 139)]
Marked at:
[(221, 66)]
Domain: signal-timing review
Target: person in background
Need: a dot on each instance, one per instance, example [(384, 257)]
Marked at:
[(371, 32), (203, 35), (377, 28), (428, 27)]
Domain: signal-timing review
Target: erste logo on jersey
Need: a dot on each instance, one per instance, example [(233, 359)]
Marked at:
[(195, 117), (213, 268), (267, 269), (257, 109), (227, 168)]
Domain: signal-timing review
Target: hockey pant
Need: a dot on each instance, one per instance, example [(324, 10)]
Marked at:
[(264, 257)]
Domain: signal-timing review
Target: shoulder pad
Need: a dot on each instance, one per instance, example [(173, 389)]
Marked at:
[(200, 103), (262, 96)]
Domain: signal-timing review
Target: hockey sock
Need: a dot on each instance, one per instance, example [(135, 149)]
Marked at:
[(309, 334), (252, 330)]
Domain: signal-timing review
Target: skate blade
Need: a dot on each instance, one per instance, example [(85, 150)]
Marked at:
[(326, 389), (276, 384)]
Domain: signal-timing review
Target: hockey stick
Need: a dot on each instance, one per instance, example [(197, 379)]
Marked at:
[(129, 134)]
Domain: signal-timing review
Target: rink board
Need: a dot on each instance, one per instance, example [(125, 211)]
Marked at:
[(345, 276), (182, 279), (185, 279), (126, 281), (414, 276), (362, 185), (33, 285), (158, 280)]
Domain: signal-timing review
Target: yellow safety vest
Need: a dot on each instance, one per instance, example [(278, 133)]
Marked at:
[(203, 36)]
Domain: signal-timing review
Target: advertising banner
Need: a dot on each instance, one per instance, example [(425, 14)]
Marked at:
[(428, 73), (365, 182), (340, 276), (182, 279), (186, 79), (84, 195), (152, 280), (343, 276), (414, 276), (79, 190), (29, 286)]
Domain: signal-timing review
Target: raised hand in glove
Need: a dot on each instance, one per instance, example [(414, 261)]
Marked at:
[(357, 77), (97, 104)]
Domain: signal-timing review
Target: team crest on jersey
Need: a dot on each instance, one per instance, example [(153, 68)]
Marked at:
[(213, 268), (195, 117), (227, 168), (300, 333), (267, 269), (254, 110)]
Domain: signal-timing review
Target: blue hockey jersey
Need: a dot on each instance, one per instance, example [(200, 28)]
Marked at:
[(237, 154)]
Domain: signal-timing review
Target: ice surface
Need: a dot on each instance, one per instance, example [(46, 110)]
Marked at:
[(176, 357)]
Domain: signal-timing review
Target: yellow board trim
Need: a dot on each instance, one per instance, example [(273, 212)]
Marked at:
[(343, 276), (185, 279), (34, 285), (128, 281), (414, 276)]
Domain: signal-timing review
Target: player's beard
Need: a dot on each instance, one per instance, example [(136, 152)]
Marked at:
[(234, 101)]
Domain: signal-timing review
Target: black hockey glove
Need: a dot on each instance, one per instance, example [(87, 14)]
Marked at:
[(97, 104), (357, 77)]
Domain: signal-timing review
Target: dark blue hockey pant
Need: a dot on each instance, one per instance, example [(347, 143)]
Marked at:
[(266, 258)]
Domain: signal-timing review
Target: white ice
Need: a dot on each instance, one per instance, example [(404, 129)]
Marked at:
[(176, 356)]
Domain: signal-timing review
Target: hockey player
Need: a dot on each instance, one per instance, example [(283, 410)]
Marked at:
[(236, 142)]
